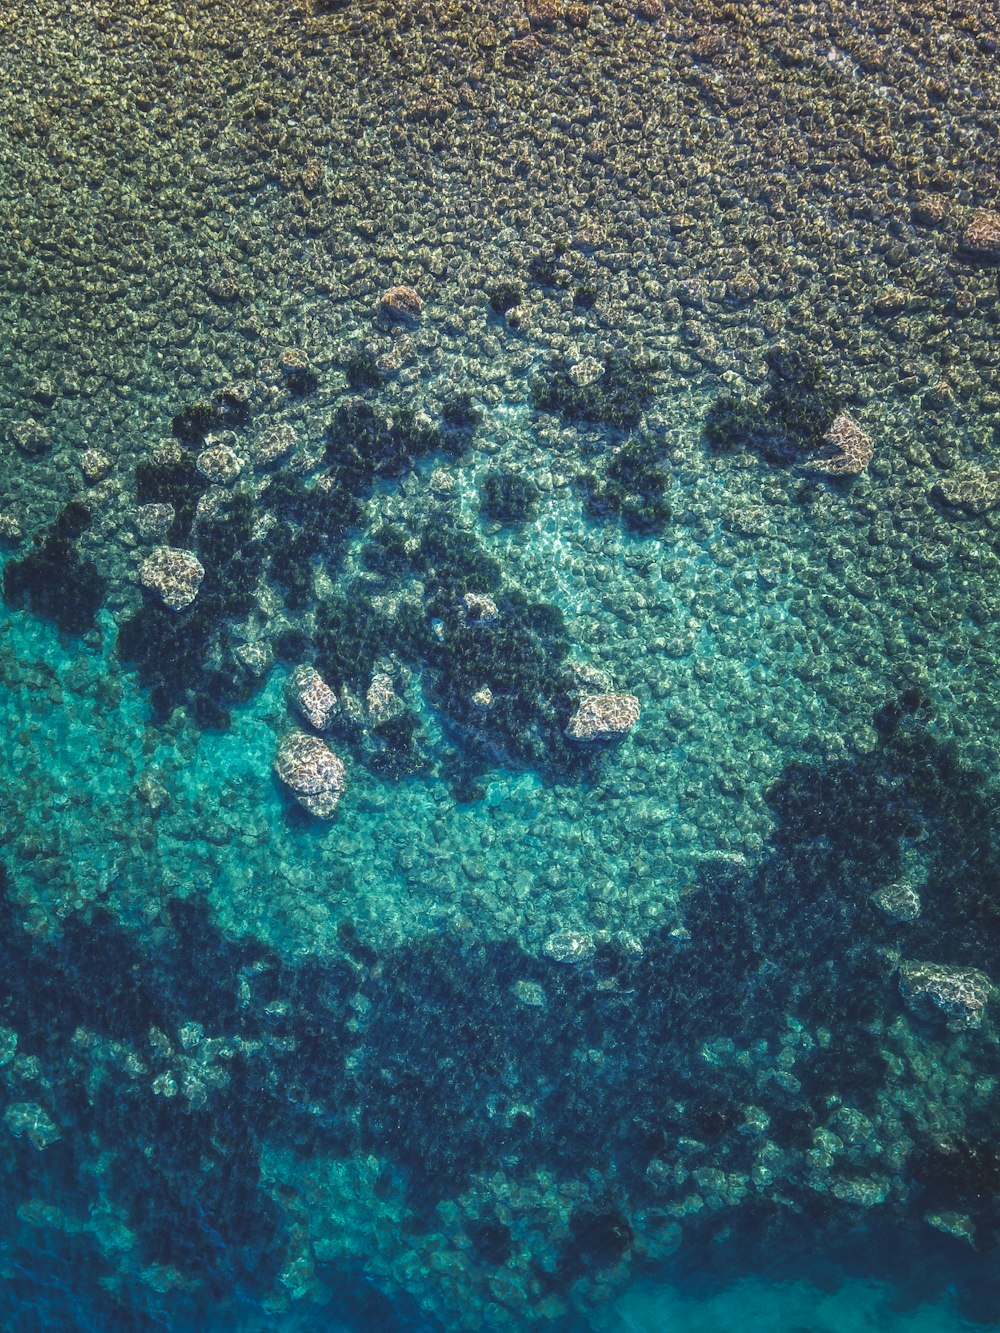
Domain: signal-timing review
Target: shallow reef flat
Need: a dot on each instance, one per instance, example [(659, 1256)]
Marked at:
[(500, 558)]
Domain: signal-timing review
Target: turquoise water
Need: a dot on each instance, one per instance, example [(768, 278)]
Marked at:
[(500, 550)]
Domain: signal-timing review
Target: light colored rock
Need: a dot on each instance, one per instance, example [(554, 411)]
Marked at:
[(309, 693), (586, 371), (483, 699), (569, 946), (29, 1120), (312, 772), (479, 609), (219, 463), (898, 902), (604, 717), (974, 489), (847, 449), (94, 465), (959, 994), (981, 238), (274, 443), (381, 700), (31, 437), (10, 528), (175, 574), (401, 304), (153, 522)]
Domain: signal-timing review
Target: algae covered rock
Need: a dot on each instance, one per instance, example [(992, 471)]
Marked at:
[(175, 574), (604, 717), (312, 772), (959, 994)]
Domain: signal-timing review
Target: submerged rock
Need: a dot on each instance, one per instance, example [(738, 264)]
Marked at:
[(604, 717), (381, 699), (31, 437), (309, 693), (479, 609), (981, 238), (219, 463), (176, 575), (154, 521), (312, 772), (847, 449), (975, 489), (569, 946), (898, 902), (401, 304), (959, 994)]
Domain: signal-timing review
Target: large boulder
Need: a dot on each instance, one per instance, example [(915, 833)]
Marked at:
[(401, 305), (312, 772), (175, 574), (935, 990), (604, 717)]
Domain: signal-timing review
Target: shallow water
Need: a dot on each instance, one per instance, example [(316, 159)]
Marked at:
[(690, 1025)]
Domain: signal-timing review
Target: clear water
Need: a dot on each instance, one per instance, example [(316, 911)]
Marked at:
[(695, 1029)]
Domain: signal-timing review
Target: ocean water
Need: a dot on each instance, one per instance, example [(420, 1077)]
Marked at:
[(499, 711)]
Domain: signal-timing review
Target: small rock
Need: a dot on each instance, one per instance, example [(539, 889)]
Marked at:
[(312, 772), (544, 13), (256, 657), (153, 522), (604, 717), (974, 489), (94, 465), (381, 699), (176, 575), (898, 902), (848, 449), (401, 304), (309, 693), (929, 210), (959, 994), (29, 1120), (650, 10), (31, 437), (479, 609), (442, 482), (274, 443), (219, 464), (569, 946), (10, 528), (586, 371), (981, 238), (483, 699)]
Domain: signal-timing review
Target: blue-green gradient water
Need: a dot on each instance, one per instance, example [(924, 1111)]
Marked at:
[(499, 712)]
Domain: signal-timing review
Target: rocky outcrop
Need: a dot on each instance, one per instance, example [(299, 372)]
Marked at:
[(479, 609), (935, 990), (604, 717), (176, 575), (312, 772), (308, 692)]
